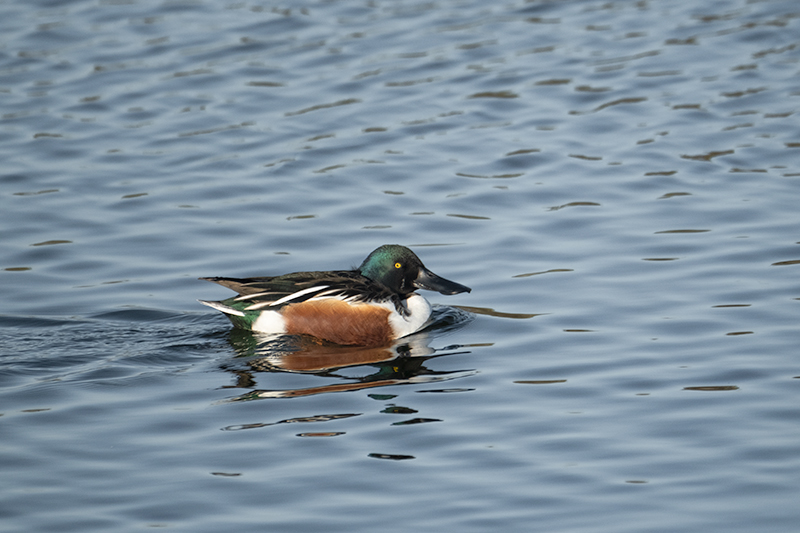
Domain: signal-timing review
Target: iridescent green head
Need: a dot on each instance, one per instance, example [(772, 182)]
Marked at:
[(399, 269)]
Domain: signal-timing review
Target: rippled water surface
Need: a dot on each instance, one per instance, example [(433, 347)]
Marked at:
[(618, 182)]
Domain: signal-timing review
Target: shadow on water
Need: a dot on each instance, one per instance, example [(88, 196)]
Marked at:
[(400, 363)]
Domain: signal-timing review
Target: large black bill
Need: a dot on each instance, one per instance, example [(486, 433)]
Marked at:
[(429, 281)]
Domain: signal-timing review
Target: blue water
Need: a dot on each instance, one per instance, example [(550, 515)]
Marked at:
[(617, 183)]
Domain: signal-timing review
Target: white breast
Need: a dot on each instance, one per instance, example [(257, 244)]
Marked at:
[(420, 312)]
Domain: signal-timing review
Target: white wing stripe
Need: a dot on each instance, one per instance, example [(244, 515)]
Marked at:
[(257, 306), (298, 294), (332, 292), (250, 296), (219, 306)]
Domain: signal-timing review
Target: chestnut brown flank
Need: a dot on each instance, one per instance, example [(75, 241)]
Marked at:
[(339, 322)]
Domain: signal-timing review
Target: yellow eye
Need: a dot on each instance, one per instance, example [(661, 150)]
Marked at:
[(397, 265)]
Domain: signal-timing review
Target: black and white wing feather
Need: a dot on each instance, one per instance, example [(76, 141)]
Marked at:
[(256, 294)]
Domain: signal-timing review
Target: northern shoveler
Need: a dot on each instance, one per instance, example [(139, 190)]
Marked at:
[(369, 306)]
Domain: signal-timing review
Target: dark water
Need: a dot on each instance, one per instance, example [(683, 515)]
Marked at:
[(618, 182)]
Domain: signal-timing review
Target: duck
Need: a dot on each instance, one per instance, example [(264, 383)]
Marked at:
[(372, 305)]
